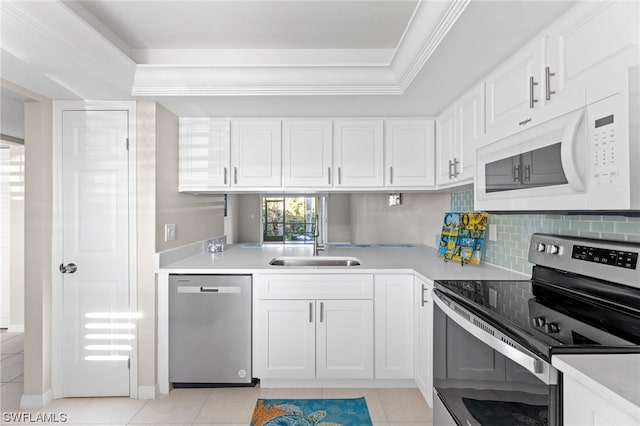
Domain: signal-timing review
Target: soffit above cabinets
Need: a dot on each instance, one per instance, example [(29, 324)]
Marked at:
[(187, 54)]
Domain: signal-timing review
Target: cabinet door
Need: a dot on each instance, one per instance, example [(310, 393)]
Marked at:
[(511, 94), (589, 46), (583, 407), (256, 147), (358, 154), (446, 143), (204, 154), (410, 153), (394, 326), (307, 153), (470, 128), (284, 339), (344, 339), (424, 339)]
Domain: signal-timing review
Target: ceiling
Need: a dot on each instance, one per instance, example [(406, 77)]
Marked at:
[(263, 57)]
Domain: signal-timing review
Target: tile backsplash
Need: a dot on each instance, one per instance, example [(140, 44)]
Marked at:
[(514, 231)]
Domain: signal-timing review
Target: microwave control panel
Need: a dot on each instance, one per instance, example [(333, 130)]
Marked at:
[(607, 165)]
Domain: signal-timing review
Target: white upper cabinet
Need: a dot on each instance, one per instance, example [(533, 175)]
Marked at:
[(410, 153), (514, 90), (307, 147), (358, 154), (459, 129), (256, 147), (590, 49), (579, 59), (204, 146)]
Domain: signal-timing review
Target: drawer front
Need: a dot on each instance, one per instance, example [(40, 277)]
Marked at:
[(313, 286)]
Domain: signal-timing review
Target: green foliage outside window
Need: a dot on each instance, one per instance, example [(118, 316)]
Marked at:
[(289, 219)]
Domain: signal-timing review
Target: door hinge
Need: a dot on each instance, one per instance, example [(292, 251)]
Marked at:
[(127, 144)]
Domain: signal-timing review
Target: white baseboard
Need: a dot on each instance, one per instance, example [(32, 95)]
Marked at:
[(148, 392), (35, 402), (337, 383), (15, 328)]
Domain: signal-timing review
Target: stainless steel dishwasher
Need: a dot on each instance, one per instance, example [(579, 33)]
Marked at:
[(209, 329)]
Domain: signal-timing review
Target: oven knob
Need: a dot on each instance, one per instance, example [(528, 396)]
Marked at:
[(540, 247), (539, 321), (553, 249), (552, 327)]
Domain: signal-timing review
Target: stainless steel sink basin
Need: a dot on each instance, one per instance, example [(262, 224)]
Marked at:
[(315, 261)]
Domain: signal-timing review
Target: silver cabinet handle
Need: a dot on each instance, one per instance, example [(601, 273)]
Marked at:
[(455, 167), (339, 175), (225, 175), (450, 166), (424, 288), (548, 74), (69, 268), (329, 174), (532, 100), (321, 311), (391, 174), (516, 173), (235, 175), (310, 311), (527, 173)]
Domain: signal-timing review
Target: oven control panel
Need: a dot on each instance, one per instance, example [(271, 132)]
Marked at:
[(620, 258), (615, 261)]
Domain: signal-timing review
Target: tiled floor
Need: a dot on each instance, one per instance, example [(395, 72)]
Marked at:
[(220, 407)]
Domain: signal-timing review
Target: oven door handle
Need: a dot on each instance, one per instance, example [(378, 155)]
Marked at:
[(535, 365)]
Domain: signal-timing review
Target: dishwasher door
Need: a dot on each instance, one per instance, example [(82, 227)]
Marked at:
[(210, 329)]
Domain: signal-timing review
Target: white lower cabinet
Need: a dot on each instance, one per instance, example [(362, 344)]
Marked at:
[(583, 407), (424, 338), (394, 326), (319, 338)]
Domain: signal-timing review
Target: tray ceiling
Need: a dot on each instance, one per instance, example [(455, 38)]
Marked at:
[(218, 57)]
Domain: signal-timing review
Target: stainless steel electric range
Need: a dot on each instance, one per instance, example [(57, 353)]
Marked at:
[(494, 340)]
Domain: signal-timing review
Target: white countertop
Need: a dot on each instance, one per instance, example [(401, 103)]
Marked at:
[(615, 377), (420, 259)]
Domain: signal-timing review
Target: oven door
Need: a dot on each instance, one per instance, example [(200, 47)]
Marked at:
[(481, 377)]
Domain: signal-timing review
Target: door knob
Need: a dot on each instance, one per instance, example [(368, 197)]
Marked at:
[(69, 268)]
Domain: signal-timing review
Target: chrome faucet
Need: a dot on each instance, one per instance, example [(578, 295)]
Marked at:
[(316, 233)]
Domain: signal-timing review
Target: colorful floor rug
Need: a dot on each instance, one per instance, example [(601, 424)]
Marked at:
[(311, 412)]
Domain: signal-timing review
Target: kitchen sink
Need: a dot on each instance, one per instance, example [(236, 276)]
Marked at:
[(314, 261)]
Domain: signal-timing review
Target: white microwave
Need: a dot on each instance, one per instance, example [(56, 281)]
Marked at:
[(586, 159)]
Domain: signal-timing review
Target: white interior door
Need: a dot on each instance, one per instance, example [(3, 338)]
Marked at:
[(97, 334)]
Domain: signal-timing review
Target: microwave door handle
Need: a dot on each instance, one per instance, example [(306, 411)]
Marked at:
[(539, 368), (567, 151)]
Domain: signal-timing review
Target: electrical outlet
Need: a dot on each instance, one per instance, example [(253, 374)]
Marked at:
[(169, 231), (493, 232)]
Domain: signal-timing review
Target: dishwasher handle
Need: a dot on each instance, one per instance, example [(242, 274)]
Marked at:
[(206, 289)]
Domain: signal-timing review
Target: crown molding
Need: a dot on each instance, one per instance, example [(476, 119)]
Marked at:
[(76, 57), (50, 38), (299, 72)]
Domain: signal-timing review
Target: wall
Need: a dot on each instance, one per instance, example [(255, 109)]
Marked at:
[(339, 216), (417, 221), (197, 217), (146, 243), (38, 246), (248, 218), (514, 231), (16, 267)]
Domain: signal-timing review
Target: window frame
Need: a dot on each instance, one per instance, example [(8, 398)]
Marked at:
[(321, 209)]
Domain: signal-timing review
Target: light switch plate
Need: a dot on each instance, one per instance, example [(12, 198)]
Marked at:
[(170, 232)]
